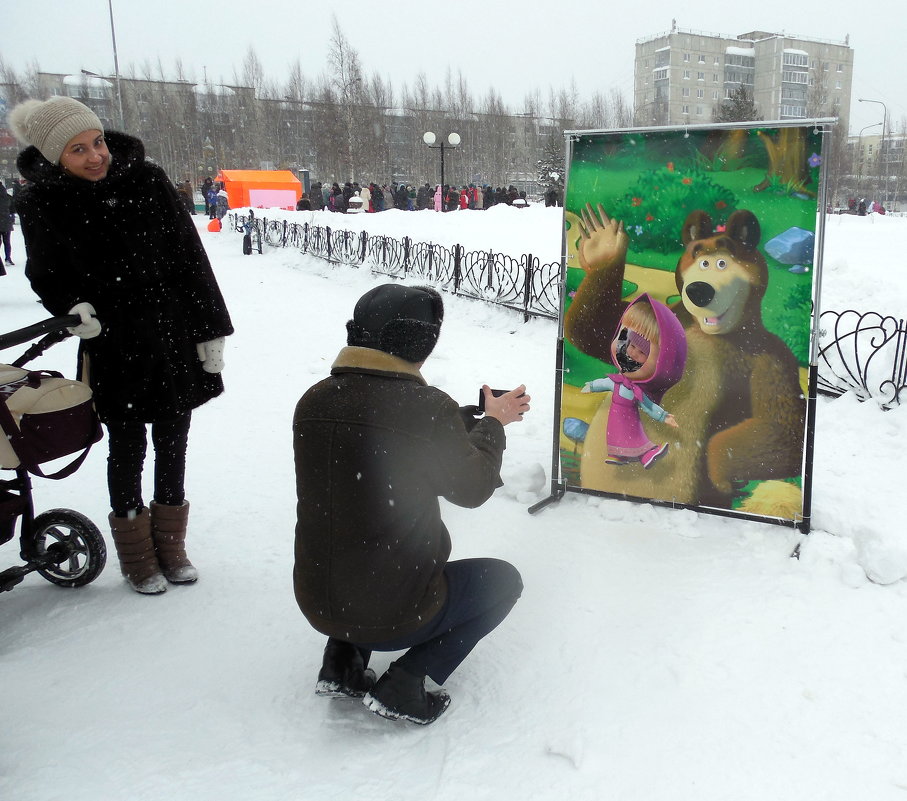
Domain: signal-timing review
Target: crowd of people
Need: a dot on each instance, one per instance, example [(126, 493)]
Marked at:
[(373, 197)]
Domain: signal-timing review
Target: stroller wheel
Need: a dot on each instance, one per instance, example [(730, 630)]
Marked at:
[(70, 546)]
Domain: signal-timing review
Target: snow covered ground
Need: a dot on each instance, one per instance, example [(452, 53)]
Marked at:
[(655, 654)]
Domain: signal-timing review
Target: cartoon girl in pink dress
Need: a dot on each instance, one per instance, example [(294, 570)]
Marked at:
[(650, 351)]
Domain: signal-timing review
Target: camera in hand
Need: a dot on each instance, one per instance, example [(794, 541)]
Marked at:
[(496, 392)]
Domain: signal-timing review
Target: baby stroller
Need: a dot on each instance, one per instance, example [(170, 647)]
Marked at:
[(44, 417)]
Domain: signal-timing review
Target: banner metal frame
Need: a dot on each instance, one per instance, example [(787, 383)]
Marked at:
[(559, 486)]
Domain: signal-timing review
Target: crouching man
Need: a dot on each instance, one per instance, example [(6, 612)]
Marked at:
[(375, 447)]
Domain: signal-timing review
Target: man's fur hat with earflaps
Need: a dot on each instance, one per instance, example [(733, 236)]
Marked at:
[(401, 320)]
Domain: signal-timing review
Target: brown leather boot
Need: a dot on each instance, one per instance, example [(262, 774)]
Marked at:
[(168, 530), (135, 550)]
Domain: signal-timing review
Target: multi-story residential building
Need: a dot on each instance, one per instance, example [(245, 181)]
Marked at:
[(682, 76), (878, 167)]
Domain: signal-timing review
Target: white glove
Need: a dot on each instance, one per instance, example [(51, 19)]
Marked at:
[(90, 326), (211, 355)]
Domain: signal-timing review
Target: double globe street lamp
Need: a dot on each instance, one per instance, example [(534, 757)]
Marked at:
[(453, 139)]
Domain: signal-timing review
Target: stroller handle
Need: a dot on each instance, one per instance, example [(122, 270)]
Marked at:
[(30, 332)]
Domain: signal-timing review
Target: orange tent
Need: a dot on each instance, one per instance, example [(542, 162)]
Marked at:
[(268, 189)]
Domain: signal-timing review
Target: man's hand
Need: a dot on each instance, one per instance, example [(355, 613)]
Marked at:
[(507, 408)]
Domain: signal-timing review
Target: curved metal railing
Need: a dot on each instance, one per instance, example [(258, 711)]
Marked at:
[(523, 284), (863, 352)]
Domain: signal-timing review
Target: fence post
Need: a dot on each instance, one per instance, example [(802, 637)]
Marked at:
[(527, 288), (363, 247), (458, 257), (489, 265), (327, 230), (283, 237), (405, 255)]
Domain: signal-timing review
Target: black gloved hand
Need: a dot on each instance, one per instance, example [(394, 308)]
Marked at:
[(470, 416)]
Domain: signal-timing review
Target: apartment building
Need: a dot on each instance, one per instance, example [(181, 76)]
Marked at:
[(682, 76)]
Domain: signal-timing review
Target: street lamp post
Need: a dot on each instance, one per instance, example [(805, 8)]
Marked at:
[(881, 144), (453, 139), (860, 148), (116, 68)]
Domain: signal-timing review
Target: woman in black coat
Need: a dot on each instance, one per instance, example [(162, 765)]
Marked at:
[(108, 239)]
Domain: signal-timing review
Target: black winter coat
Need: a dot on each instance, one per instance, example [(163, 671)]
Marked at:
[(6, 203), (126, 245), (375, 448)]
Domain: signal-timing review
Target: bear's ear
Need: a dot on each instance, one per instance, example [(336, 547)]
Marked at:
[(698, 225), (743, 226)]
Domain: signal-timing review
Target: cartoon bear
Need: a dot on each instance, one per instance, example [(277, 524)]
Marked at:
[(739, 407)]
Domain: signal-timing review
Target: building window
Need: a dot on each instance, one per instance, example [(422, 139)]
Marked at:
[(714, 77), (790, 76), (795, 60), (685, 92), (684, 109), (734, 76), (686, 75), (837, 84), (825, 67), (714, 94), (700, 76), (793, 111), (740, 61), (686, 56), (840, 68), (661, 74), (701, 58), (698, 111), (700, 93)]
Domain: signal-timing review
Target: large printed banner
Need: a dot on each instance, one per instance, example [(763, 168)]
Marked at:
[(687, 316)]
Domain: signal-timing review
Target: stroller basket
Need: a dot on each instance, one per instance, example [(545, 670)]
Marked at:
[(43, 416)]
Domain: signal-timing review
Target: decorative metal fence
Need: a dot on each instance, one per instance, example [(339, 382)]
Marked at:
[(523, 284), (863, 352)]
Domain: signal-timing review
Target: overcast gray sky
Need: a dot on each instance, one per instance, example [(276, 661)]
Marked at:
[(515, 46)]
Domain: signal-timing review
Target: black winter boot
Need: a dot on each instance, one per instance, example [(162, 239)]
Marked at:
[(343, 672), (399, 695)]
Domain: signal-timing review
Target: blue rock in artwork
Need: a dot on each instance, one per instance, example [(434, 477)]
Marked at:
[(575, 429), (794, 246)]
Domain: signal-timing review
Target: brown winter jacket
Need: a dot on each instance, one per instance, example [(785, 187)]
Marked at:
[(375, 447)]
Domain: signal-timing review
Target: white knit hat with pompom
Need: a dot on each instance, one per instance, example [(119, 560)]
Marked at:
[(50, 124)]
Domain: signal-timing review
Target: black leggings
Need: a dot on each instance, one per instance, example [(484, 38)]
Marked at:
[(127, 458)]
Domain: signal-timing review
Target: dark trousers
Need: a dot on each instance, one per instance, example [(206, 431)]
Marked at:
[(127, 458), (480, 594), (7, 245)]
